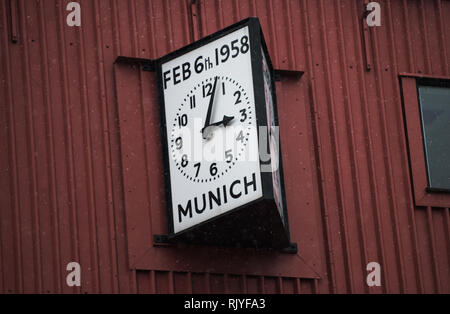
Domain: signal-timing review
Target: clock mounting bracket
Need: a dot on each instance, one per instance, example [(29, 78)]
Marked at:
[(148, 65), (164, 239)]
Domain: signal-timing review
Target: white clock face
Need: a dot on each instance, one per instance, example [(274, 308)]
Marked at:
[(232, 121), (211, 126)]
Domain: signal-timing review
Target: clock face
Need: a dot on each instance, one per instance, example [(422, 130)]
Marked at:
[(211, 129), (232, 123)]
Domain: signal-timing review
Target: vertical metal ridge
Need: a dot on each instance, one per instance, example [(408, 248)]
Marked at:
[(189, 282), (64, 76), (152, 282), (319, 156), (399, 111), (412, 67), (106, 148), (166, 5), (13, 166), (298, 287), (273, 36), (434, 258), (26, 63), (352, 148), (133, 282), (151, 23), (244, 284), (254, 8), (447, 230), (171, 283), (442, 38), (115, 28), (262, 289), (337, 156), (293, 59), (388, 160), (145, 143), (133, 29), (185, 14), (220, 13), (316, 287), (428, 66), (202, 13), (280, 284), (238, 11), (50, 143), (226, 288), (195, 17), (4, 122), (207, 283), (87, 138), (371, 163), (14, 23)]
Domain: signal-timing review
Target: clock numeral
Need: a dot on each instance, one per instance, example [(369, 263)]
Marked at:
[(238, 96), (235, 48), (244, 115), (184, 161), (245, 46), (225, 52), (241, 137), (213, 169), (229, 156), (223, 88), (207, 90), (198, 169), (192, 102), (182, 120), (217, 56), (179, 143)]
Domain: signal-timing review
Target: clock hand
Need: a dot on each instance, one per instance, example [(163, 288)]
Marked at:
[(211, 102), (226, 120)]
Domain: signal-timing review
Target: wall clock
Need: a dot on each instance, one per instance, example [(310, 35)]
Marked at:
[(218, 110)]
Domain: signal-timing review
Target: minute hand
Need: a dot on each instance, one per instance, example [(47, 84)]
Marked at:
[(210, 107)]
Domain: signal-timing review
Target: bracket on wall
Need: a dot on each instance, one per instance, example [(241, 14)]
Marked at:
[(291, 249), (163, 239), (148, 65), (293, 74)]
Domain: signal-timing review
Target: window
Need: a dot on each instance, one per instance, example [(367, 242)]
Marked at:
[(426, 106), (435, 113)]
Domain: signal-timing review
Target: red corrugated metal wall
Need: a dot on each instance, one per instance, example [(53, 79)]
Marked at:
[(61, 182)]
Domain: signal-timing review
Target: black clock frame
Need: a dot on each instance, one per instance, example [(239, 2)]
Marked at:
[(264, 226)]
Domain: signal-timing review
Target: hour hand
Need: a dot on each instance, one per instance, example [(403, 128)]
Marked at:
[(225, 121)]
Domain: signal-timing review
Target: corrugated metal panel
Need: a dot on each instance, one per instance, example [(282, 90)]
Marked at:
[(196, 283), (61, 189)]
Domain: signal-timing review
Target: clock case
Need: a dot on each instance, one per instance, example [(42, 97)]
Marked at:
[(258, 224)]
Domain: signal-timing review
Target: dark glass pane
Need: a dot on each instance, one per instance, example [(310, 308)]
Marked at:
[(435, 110)]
